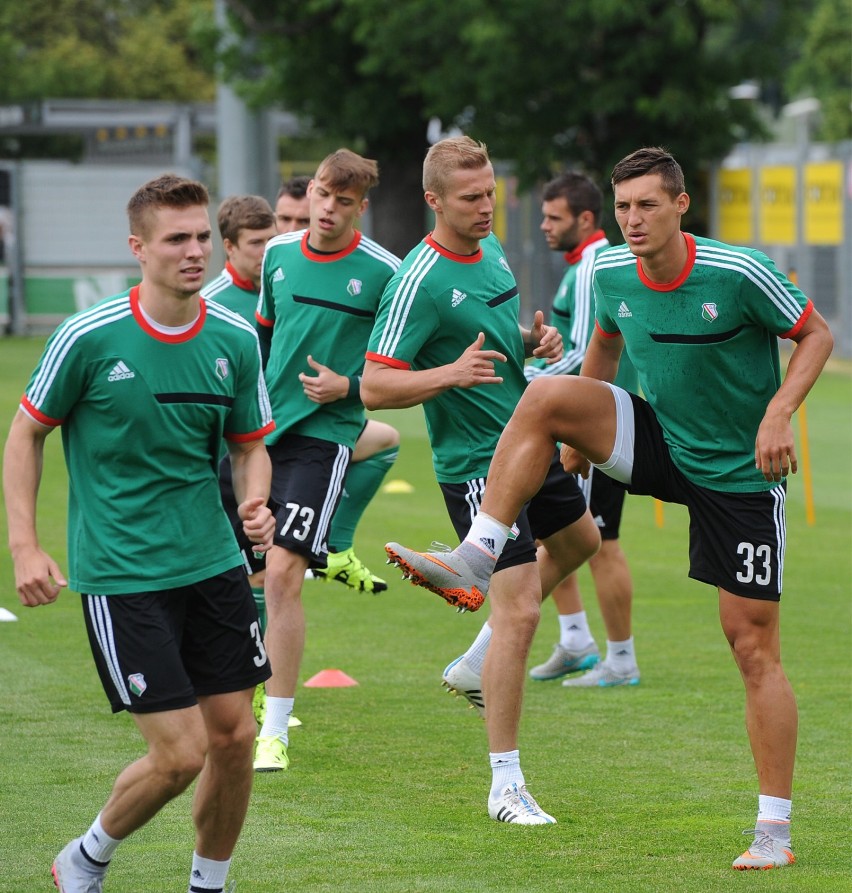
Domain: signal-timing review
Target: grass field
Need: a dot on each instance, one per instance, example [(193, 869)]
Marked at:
[(386, 794)]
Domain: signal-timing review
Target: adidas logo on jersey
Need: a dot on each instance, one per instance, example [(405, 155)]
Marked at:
[(458, 297), (505, 265), (278, 275), (120, 372), (624, 310), (488, 542)]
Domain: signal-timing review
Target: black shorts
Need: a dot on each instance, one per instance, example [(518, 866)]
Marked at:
[(252, 562), (158, 651), (606, 502), (307, 483), (558, 504), (736, 540)]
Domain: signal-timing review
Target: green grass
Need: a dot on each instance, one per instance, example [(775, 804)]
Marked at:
[(651, 785)]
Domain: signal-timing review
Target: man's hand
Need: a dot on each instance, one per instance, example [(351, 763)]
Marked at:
[(258, 523), (574, 462), (774, 447), (476, 366), (545, 341), (38, 578), (326, 386)]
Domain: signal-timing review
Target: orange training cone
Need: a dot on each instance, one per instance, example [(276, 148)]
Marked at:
[(330, 679)]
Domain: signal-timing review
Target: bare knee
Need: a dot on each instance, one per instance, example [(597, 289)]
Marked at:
[(179, 764), (231, 743), (752, 630)]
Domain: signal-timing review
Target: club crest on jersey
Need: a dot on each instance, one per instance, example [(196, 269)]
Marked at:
[(354, 287), (222, 368), (458, 297), (137, 683), (709, 312)]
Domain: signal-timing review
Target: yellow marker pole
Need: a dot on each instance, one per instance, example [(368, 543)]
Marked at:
[(807, 481), (658, 512)]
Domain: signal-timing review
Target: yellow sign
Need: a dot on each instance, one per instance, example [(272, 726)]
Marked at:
[(735, 207), (778, 205), (824, 203)]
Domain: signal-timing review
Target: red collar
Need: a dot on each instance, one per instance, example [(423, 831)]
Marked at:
[(680, 278), (576, 254), (329, 256), (244, 284), (162, 336), (458, 258)]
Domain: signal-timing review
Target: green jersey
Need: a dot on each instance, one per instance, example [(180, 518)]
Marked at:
[(705, 347), (322, 304), (143, 412), (431, 312), (232, 291), (573, 314)]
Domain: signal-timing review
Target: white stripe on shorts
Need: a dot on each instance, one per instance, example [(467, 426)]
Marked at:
[(98, 607)]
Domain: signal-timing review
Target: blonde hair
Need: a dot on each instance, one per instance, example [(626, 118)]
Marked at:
[(452, 154)]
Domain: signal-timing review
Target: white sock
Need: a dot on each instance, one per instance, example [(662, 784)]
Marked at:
[(97, 844), (574, 632), (475, 655), (621, 654), (277, 718), (208, 874), (488, 535), (773, 816), (505, 769)]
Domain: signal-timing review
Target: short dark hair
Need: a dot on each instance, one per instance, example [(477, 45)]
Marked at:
[(165, 191), (239, 212), (580, 192), (295, 187), (651, 160)]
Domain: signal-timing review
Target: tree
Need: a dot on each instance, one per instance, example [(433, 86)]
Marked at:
[(543, 82), (824, 70), (106, 49)]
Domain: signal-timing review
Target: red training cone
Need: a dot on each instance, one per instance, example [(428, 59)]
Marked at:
[(330, 679)]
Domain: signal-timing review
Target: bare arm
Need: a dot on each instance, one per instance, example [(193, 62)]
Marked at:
[(602, 357), (386, 387), (252, 474), (38, 578), (774, 448)]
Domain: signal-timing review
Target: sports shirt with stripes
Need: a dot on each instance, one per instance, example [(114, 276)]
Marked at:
[(705, 347), (431, 312), (573, 314), (232, 291), (322, 304), (143, 414)]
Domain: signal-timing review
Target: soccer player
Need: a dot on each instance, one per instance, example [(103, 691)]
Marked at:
[(700, 321), (320, 291), (571, 222), (145, 385), (292, 210), (447, 321), (246, 223), (376, 448)]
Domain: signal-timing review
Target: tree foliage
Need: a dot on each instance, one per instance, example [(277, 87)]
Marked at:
[(107, 49), (543, 82), (825, 68)]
